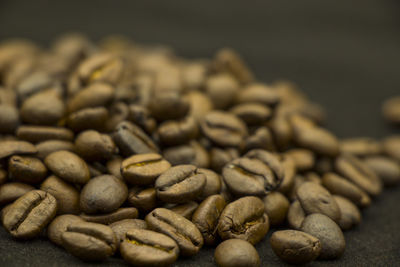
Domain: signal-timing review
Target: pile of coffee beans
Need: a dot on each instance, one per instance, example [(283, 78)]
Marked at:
[(118, 149)]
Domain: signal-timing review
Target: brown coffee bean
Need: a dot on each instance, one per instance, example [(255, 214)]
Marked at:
[(213, 183), (66, 195), (258, 93), (281, 130), (315, 198), (59, 225), (101, 67), (120, 228), (261, 139), (103, 194), (89, 241), (289, 173), (295, 215), (200, 104), (45, 148), (108, 218), (236, 253), (276, 207), (12, 191), (386, 168), (328, 233), (295, 247), (95, 95), (219, 157), (192, 154), (391, 147), (252, 113), (173, 133), (143, 198), (244, 219), (68, 166), (194, 74), (186, 210), (349, 213), (168, 105), (391, 110), (143, 169), (9, 119), (118, 112), (36, 134), (180, 229), (303, 158), (13, 147), (361, 146), (30, 214), (114, 167), (227, 60), (88, 118), (148, 248), (222, 89), (26, 169), (94, 146)]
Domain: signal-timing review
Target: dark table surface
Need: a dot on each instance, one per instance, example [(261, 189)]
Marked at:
[(344, 54)]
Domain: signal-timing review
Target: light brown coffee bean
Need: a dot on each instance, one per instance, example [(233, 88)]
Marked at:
[(59, 225), (26, 169)]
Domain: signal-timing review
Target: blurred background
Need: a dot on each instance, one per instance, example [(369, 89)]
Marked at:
[(343, 54)]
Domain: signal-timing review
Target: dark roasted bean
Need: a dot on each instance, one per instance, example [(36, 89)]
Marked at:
[(26, 169)]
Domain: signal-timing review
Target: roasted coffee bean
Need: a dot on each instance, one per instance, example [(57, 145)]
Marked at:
[(89, 241), (258, 93), (349, 213), (180, 229), (296, 215), (391, 146), (94, 146), (43, 108), (33, 83), (143, 169), (9, 119), (66, 195), (227, 60), (310, 136), (141, 116), (59, 225), (276, 207), (359, 173), (88, 118), (180, 184), (224, 129), (36, 134), (315, 198), (303, 158), (213, 183), (30, 214), (12, 191), (236, 253), (45, 148), (193, 154), (219, 157), (194, 74), (206, 217), (386, 168), (95, 95), (26, 169), (103, 194), (186, 210), (391, 110), (340, 186), (328, 233), (260, 139), (8, 97), (68, 166), (295, 247), (100, 67), (118, 112), (222, 90), (289, 173), (361, 146), (148, 248), (172, 133), (200, 104), (132, 140), (13, 147), (114, 167), (252, 113), (281, 130), (108, 218), (244, 219), (168, 105), (120, 228), (143, 198)]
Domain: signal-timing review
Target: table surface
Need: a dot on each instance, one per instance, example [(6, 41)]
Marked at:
[(344, 54)]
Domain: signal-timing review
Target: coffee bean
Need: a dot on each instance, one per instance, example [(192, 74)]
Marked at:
[(59, 225), (173, 133), (219, 157), (194, 74), (120, 228), (11, 147), (108, 218), (192, 153), (30, 214), (168, 105), (47, 147), (224, 129), (103, 194), (258, 93), (88, 118), (295, 247), (281, 129), (386, 168), (180, 184), (26, 169), (36, 134), (359, 173), (9, 119), (68, 166), (252, 113), (206, 217), (89, 241), (118, 112), (328, 233), (148, 248), (227, 60), (222, 90), (340, 186), (33, 83), (213, 183), (349, 213), (132, 140), (289, 173), (361, 146), (303, 158), (143, 169), (180, 229), (186, 210), (12, 191), (276, 207), (295, 215), (244, 219), (200, 104), (114, 166), (94, 146), (315, 198), (100, 67), (391, 147), (236, 253), (391, 110), (66, 195), (143, 198), (261, 139)]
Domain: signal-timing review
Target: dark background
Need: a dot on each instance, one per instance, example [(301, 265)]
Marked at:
[(344, 54)]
